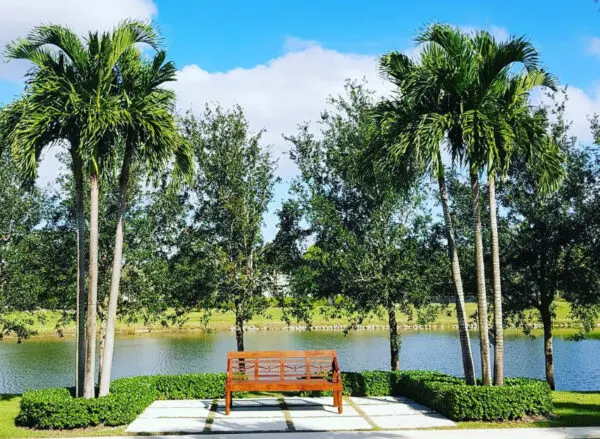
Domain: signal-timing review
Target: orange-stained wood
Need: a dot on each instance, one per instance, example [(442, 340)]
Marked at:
[(284, 371)]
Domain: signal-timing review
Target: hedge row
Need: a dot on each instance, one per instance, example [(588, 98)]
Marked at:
[(58, 409), (451, 396)]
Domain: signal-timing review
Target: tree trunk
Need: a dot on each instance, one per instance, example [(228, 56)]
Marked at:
[(81, 296), (239, 333), (90, 357), (546, 314), (461, 313), (484, 342), (101, 345), (498, 324), (115, 280), (394, 342)]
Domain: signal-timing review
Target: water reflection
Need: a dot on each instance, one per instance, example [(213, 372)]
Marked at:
[(49, 363)]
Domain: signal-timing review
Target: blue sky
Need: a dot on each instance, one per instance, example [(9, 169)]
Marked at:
[(281, 59)]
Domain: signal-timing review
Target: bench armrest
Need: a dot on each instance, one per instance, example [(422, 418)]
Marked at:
[(335, 368)]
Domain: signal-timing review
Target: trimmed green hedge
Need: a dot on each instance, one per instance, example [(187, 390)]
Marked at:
[(519, 397)]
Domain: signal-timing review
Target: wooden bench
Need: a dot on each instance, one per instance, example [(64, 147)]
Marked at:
[(283, 371)]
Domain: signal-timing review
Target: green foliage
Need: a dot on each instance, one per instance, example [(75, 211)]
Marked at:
[(518, 398), (451, 396), (191, 386), (57, 409), (220, 257)]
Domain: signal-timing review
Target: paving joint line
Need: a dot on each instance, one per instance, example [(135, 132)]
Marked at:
[(361, 412), (211, 417), (286, 414)]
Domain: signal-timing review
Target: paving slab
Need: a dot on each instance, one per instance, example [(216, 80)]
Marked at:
[(393, 409), (174, 412), (331, 423), (379, 400), (430, 420), (229, 424), (305, 401), (249, 412), (319, 411), (167, 425), (205, 403), (251, 402)]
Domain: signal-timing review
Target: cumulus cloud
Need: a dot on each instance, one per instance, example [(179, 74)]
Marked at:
[(281, 93), (18, 17)]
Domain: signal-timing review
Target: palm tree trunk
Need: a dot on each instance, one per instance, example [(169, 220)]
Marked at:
[(484, 342), (394, 342), (461, 313), (90, 357), (546, 314), (115, 280), (101, 343), (81, 296), (498, 324)]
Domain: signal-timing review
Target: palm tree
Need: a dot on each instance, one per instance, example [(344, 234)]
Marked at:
[(517, 131), (473, 70), (398, 120), (150, 135), (35, 123), (74, 84)]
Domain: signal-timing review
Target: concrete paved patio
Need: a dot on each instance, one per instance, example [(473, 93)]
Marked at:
[(286, 414)]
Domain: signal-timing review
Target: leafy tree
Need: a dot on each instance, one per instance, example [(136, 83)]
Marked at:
[(227, 200), (548, 236), (368, 249), (20, 211)]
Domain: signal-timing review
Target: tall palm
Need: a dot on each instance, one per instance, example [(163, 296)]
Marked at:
[(473, 70), (518, 131), (150, 135), (73, 81), (37, 121), (398, 120)]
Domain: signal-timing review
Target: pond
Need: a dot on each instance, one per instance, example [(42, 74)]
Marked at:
[(50, 362)]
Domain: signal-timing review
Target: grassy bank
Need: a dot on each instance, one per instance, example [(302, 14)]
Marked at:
[(272, 319), (570, 409)]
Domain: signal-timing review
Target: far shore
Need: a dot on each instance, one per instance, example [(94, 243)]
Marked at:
[(196, 324)]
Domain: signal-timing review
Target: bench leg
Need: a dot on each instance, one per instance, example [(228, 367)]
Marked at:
[(227, 402), (339, 401)]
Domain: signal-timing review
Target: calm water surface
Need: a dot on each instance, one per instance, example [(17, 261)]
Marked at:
[(50, 363)]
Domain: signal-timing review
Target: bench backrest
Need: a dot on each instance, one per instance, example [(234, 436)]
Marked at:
[(281, 365)]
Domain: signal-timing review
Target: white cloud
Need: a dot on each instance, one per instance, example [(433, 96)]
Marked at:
[(593, 46), (280, 94), (294, 44), (18, 17)]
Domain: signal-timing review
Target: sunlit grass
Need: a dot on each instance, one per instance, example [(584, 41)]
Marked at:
[(272, 319)]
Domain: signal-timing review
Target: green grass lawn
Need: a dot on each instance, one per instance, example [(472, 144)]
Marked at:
[(571, 409), (272, 319)]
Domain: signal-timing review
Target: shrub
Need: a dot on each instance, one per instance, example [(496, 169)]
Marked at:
[(191, 386), (451, 396), (57, 409)]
